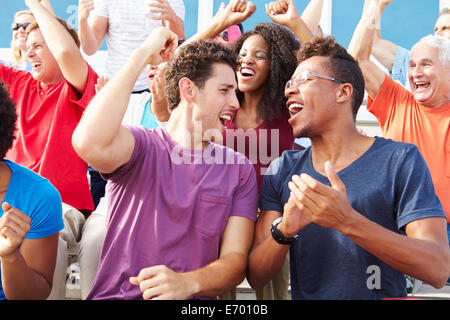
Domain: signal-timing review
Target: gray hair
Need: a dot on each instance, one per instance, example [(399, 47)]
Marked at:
[(442, 44), (444, 11)]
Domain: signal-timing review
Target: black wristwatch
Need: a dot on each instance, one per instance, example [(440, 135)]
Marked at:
[(278, 236)]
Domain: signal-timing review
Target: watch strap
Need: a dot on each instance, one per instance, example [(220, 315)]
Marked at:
[(278, 236)]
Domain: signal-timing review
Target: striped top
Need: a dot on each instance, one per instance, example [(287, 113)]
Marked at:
[(128, 28)]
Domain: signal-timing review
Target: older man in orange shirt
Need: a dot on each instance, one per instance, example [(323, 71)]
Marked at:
[(422, 116)]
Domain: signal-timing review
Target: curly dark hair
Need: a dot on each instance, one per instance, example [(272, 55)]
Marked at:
[(8, 119), (195, 62), (283, 46), (341, 64)]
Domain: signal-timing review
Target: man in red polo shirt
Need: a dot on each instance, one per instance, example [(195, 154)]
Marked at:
[(50, 102)]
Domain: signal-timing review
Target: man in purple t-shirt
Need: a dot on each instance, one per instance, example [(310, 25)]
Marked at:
[(182, 209)]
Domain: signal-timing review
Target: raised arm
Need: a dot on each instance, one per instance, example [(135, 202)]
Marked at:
[(48, 6), (234, 13), (168, 16), (383, 50), (73, 67), (99, 138), (91, 32), (361, 47), (285, 13), (312, 14)]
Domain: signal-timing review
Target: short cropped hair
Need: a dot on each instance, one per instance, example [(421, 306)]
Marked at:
[(444, 11), (73, 33), (195, 62), (442, 44), (8, 119), (341, 64)]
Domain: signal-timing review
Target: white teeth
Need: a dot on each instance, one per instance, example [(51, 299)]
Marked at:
[(295, 107), (246, 71), (225, 117)]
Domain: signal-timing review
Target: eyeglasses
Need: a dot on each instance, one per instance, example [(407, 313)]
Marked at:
[(17, 26), (304, 76)]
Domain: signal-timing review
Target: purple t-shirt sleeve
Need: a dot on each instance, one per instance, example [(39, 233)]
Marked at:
[(245, 200), (142, 145)]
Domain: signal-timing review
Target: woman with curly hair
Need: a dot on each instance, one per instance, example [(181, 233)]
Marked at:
[(267, 60)]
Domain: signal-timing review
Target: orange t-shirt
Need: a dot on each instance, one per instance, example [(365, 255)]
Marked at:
[(403, 119)]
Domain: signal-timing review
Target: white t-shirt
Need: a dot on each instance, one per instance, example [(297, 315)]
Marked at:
[(128, 28)]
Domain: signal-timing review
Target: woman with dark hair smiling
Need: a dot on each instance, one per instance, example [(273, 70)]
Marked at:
[(267, 59), (260, 128)]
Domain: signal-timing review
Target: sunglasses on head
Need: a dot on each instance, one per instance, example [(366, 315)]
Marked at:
[(224, 35), (17, 26)]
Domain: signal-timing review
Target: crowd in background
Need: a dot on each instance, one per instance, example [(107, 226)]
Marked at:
[(184, 169)]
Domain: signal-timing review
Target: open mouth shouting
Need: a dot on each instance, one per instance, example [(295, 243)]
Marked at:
[(35, 65), (421, 85), (246, 73), (224, 117), (295, 108)]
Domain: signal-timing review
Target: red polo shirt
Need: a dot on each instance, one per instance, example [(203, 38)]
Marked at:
[(45, 124)]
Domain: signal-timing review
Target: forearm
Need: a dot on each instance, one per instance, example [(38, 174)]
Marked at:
[(20, 282), (424, 259), (265, 261), (361, 44), (89, 41), (312, 14), (214, 29), (108, 107), (384, 51), (176, 26), (160, 111), (301, 30), (56, 36), (219, 276), (48, 6)]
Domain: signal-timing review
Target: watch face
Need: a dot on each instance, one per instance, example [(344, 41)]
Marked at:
[(277, 221)]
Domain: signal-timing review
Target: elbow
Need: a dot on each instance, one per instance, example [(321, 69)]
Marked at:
[(255, 277), (438, 281), (440, 271), (80, 143), (254, 283), (89, 51), (444, 274), (92, 152)]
